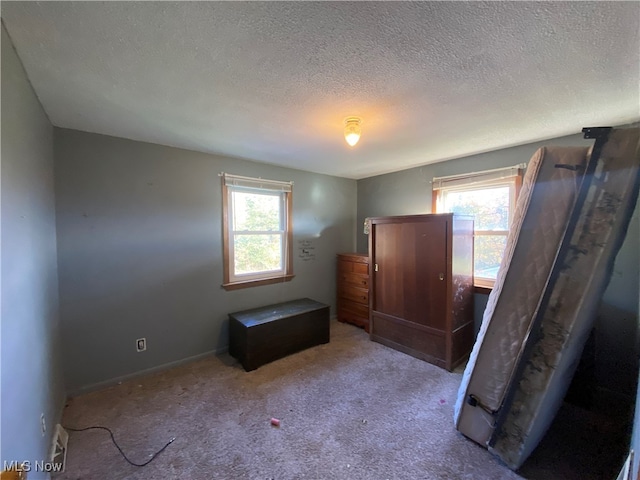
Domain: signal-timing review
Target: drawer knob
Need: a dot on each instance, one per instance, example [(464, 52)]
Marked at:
[(441, 276)]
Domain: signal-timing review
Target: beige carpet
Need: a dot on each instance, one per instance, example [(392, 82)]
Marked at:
[(351, 409)]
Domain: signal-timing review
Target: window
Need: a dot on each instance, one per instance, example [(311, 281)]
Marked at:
[(490, 197), (257, 234)]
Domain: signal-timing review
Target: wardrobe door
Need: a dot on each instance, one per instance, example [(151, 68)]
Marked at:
[(389, 285), (427, 270), (411, 276)]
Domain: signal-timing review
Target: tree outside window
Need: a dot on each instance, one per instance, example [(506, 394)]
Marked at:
[(257, 232), (490, 208), (490, 198)]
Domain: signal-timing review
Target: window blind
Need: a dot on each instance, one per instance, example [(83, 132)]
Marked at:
[(467, 179), (250, 182)]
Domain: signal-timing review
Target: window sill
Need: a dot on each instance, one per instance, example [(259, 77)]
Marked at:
[(482, 289), (257, 283)]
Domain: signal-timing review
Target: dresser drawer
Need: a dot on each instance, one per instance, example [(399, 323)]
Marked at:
[(361, 268), (348, 307), (355, 294), (346, 316), (354, 279), (354, 313), (353, 267)]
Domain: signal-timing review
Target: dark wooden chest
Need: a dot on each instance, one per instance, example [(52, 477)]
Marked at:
[(262, 335)]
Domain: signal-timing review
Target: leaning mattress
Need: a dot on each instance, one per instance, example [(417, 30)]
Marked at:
[(541, 214), (556, 266)]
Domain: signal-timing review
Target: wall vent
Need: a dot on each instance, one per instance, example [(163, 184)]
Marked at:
[(59, 447)]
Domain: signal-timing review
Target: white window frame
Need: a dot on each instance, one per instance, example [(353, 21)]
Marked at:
[(282, 190), (510, 177)]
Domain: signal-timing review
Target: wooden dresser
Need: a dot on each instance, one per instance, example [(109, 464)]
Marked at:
[(353, 289)]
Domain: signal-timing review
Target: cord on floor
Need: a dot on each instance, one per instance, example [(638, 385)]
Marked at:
[(118, 446)]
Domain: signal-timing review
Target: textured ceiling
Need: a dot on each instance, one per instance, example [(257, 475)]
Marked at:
[(273, 81)]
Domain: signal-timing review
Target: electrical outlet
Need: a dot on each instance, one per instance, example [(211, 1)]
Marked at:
[(43, 424), (141, 344)]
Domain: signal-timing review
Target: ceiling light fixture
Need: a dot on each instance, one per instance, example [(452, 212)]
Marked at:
[(352, 130)]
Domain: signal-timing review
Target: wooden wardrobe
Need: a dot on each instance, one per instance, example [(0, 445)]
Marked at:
[(421, 294)]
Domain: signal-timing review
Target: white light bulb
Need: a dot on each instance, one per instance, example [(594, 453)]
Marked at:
[(352, 130), (352, 138)]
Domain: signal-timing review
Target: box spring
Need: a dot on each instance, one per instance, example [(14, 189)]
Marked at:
[(568, 227)]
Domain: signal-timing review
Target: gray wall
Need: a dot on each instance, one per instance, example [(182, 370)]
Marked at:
[(140, 251), (32, 381), (409, 192)]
